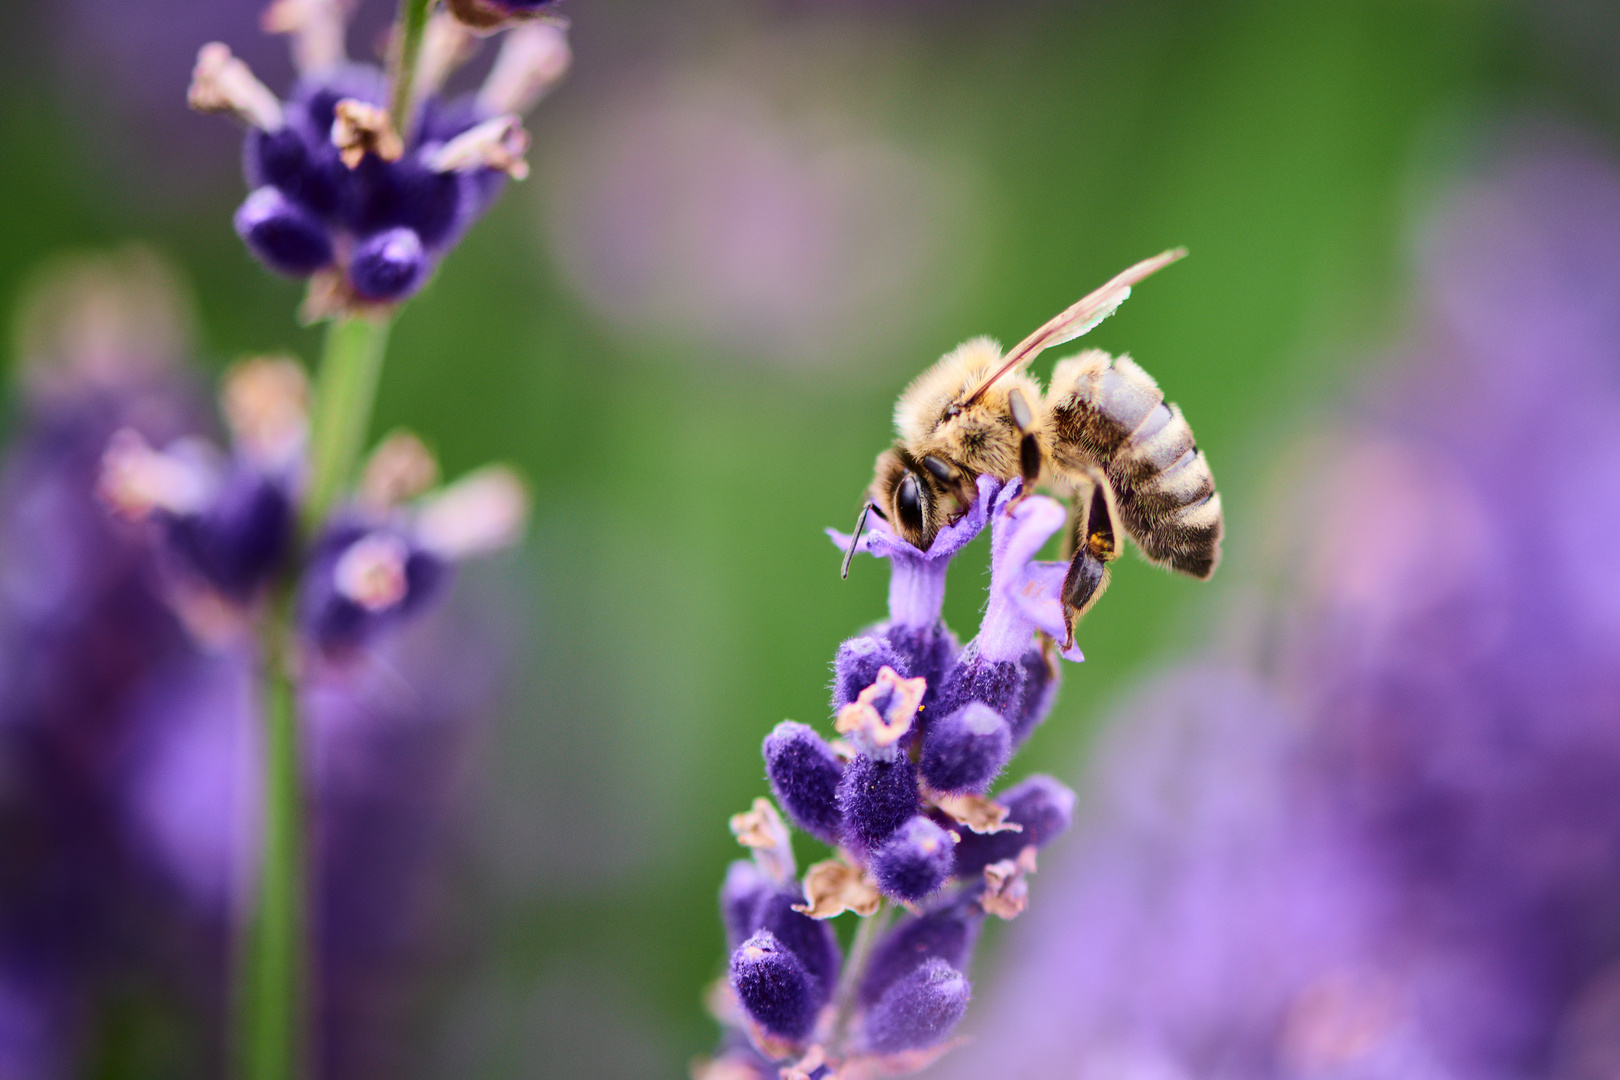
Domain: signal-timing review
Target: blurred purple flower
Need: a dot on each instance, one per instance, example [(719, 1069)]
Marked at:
[(130, 751), (338, 195), (1396, 853)]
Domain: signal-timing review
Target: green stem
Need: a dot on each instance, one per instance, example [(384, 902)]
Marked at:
[(860, 953), (274, 993), (344, 391), (413, 15), (276, 1002)]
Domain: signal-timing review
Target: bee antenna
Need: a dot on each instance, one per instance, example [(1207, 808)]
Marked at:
[(854, 541)]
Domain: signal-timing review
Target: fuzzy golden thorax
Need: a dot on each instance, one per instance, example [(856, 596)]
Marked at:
[(981, 437)]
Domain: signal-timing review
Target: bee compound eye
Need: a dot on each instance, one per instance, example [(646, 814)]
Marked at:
[(942, 472), (908, 503)]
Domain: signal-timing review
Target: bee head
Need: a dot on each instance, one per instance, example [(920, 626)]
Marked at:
[(918, 497)]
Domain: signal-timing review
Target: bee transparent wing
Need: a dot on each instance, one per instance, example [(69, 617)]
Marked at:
[(1078, 318)]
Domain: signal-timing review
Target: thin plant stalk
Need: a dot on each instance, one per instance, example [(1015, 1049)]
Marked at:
[(277, 974), (276, 997), (345, 388), (413, 16), (276, 980), (860, 954)]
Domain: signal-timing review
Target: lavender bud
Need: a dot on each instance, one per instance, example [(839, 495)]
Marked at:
[(804, 773), (928, 651), (915, 861), (361, 581), (918, 1010), (1040, 804), (740, 897), (282, 159), (239, 540), (406, 195), (389, 265), (811, 940), (857, 665), (284, 236), (964, 751), (876, 798), (1041, 679), (947, 933), (997, 683), (774, 987)]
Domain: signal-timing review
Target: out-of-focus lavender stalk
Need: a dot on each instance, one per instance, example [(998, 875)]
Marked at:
[(361, 199)]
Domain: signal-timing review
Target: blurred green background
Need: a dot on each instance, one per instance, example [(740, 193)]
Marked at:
[(750, 224)]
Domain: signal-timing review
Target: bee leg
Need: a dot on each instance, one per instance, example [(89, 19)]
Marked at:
[(1096, 546), (1082, 585), (1029, 447), (957, 480)]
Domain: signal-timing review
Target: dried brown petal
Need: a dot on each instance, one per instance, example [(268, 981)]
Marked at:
[(761, 829), (834, 887), (221, 83), (975, 812), (360, 128), (1006, 892)]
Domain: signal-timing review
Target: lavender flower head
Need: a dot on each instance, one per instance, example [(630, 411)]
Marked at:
[(359, 185), (927, 726)]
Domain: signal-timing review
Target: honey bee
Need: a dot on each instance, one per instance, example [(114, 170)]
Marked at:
[(1101, 435)]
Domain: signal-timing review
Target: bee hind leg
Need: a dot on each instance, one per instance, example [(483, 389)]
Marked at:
[(1082, 585), (1095, 547)]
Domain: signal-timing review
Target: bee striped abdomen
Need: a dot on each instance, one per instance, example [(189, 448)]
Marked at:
[(1112, 413)]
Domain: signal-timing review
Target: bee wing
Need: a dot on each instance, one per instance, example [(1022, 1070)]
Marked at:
[(1078, 318)]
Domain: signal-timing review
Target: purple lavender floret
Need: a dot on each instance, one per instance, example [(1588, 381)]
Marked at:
[(1042, 677), (948, 932), (744, 889), (964, 751), (804, 774), (773, 985), (875, 798), (927, 727), (1042, 806), (858, 662), (239, 541), (915, 862), (914, 630), (811, 940), (918, 1010), (362, 580)]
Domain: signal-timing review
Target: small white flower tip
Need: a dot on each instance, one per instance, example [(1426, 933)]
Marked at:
[(222, 83), (483, 511), (534, 57)]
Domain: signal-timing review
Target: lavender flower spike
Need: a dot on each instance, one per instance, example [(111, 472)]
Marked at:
[(917, 578), (361, 201)]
